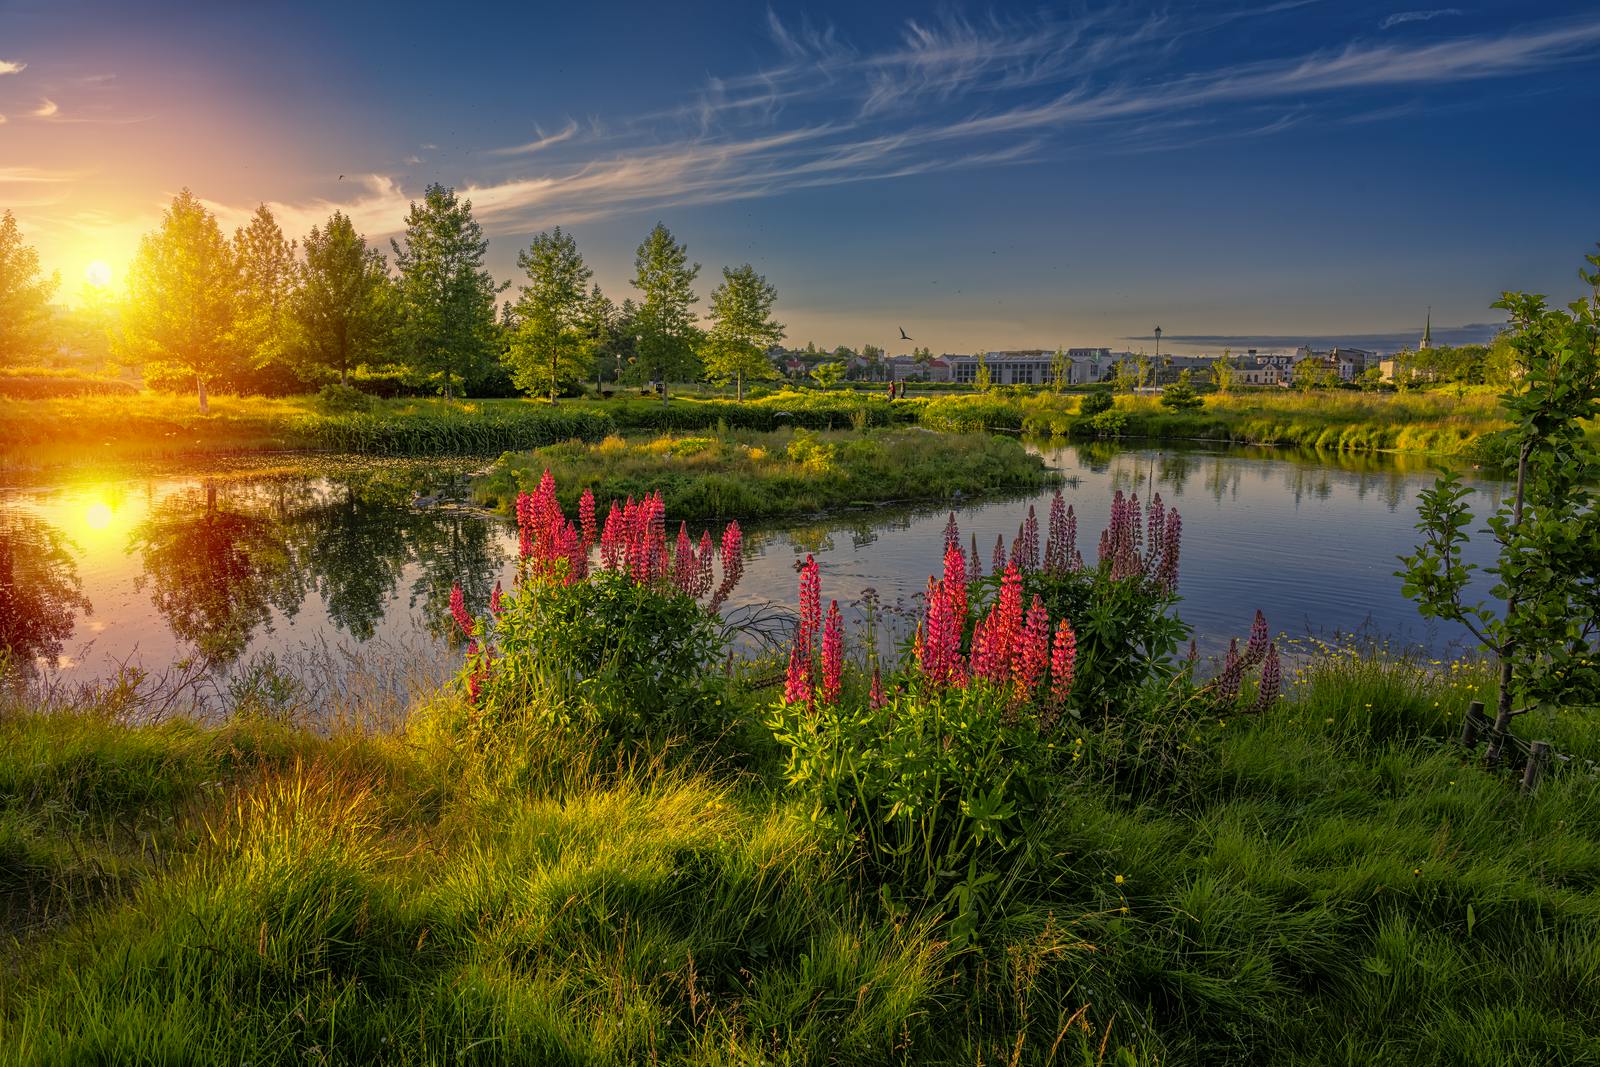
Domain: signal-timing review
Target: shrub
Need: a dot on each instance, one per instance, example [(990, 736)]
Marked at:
[(1096, 401), (342, 399), (623, 647)]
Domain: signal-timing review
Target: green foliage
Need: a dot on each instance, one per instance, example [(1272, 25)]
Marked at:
[(664, 322), (183, 295), (444, 296), (555, 327), (268, 275), (25, 295), (37, 383), (981, 379), (343, 310), (1547, 635), (1096, 401), (609, 656), (341, 399), (747, 475), (742, 329), (1223, 373), (1180, 396), (827, 375), (468, 430)]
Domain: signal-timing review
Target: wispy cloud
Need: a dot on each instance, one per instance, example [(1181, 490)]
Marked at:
[(1400, 18), (949, 95), (47, 109), (539, 143), (35, 175), (11, 66)]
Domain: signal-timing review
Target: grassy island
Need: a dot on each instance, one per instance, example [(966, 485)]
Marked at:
[(771, 475)]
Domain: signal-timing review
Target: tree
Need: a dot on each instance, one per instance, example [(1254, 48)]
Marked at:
[(1180, 396), (343, 311), (980, 378), (550, 347), (1128, 373), (1370, 380), (1223, 373), (922, 355), (827, 375), (183, 294), (600, 323), (26, 329), (1546, 635), (1060, 370), (446, 300), (664, 323), (267, 277), (742, 328), (1314, 372)]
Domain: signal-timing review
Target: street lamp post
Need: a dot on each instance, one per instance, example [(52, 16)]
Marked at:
[(1158, 342)]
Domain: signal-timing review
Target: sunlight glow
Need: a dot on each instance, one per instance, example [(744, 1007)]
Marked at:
[(98, 273), (98, 517)]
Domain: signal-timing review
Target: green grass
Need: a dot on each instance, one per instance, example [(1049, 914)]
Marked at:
[(1332, 882), (770, 475), (156, 425)]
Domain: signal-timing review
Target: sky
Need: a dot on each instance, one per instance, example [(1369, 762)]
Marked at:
[(983, 177)]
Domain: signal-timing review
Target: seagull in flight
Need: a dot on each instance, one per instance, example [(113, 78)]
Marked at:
[(903, 335)]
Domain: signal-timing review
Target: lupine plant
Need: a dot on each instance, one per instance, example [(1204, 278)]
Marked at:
[(616, 621)]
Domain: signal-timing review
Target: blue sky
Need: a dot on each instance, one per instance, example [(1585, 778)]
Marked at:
[(985, 176)]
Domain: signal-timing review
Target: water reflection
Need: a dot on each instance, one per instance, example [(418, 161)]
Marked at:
[(216, 565), (41, 593), (225, 564)]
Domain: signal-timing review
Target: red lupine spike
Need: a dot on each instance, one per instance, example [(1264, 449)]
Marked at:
[(1028, 665), (797, 679), (875, 694), (458, 610), (586, 516), (832, 654), (733, 564), (1063, 661), (494, 600)]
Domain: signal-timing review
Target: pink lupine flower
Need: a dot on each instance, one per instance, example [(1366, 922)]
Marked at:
[(1073, 559), (975, 564), (1055, 547), (1257, 646), (586, 517), (494, 600), (459, 612), (1271, 678), (982, 657), (832, 654), (1030, 541), (952, 534), (1231, 675), (955, 581), (685, 572), (1167, 572), (1063, 661), (941, 650), (810, 602), (1008, 633), (875, 694), (998, 563), (611, 538), (797, 679), (1033, 656), (702, 556)]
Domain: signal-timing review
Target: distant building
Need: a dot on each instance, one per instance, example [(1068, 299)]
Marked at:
[(1427, 333), (1347, 363)]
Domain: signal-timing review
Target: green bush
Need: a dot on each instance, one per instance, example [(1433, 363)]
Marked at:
[(1096, 401), (342, 399)]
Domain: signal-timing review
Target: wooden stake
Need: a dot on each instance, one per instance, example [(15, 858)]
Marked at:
[(1538, 759)]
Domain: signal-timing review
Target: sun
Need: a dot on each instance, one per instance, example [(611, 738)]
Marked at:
[(98, 273), (98, 517)]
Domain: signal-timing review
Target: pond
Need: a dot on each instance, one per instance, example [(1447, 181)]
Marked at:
[(224, 562)]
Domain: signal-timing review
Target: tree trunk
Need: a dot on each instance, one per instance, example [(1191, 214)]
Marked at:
[(739, 386), (344, 376), (201, 384), (1502, 718)]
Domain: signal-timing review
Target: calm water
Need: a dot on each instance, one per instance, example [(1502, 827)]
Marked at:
[(231, 562)]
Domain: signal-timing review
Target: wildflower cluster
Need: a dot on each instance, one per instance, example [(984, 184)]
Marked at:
[(1259, 650)]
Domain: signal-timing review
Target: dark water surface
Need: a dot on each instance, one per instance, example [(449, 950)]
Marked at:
[(228, 562)]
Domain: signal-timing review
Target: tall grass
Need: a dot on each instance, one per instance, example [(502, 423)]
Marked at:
[(1330, 881), (767, 475)]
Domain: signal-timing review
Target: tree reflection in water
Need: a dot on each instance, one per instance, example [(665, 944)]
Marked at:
[(216, 569), (40, 593)]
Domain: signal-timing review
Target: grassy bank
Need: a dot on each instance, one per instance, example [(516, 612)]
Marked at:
[(770, 475), (157, 425), (1328, 882)]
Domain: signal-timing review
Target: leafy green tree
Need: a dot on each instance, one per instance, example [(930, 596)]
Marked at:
[(268, 274), (1128, 373), (601, 322), (1546, 635), (183, 291), (1314, 372), (980, 378), (446, 298), (1223, 373), (827, 375), (1370, 380), (1060, 370), (1180, 396), (551, 346), (922, 355), (742, 328), (343, 312), (26, 325), (665, 324)]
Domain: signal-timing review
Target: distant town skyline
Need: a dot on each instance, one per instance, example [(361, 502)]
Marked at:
[(1263, 175)]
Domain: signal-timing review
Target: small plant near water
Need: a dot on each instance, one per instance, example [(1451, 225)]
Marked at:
[(621, 642)]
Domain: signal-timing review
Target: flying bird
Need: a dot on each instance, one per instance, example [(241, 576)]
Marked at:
[(341, 177), (903, 336)]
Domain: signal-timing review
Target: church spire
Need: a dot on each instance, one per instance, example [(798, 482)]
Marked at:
[(1427, 331)]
